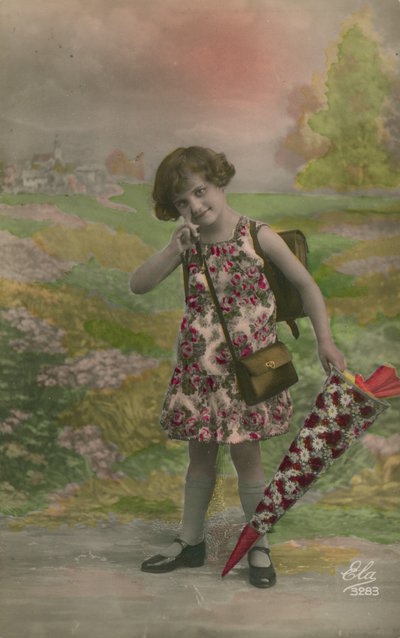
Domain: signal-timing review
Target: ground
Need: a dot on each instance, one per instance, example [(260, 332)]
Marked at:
[(87, 582)]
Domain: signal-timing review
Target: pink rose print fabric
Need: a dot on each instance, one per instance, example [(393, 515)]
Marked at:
[(202, 401)]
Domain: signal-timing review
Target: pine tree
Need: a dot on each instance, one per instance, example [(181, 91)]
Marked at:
[(356, 87)]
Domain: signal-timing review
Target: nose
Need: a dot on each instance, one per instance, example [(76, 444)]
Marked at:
[(196, 206), (197, 209)]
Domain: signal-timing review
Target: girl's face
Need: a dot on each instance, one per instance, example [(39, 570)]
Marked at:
[(202, 203)]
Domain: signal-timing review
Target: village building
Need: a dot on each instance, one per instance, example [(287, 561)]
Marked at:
[(49, 173), (92, 177), (35, 181)]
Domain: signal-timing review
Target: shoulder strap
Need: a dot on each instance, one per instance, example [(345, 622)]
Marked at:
[(216, 303), (269, 273)]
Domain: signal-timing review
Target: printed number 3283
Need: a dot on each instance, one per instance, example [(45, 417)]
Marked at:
[(364, 591)]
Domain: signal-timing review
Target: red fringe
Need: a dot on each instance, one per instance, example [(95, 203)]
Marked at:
[(246, 539)]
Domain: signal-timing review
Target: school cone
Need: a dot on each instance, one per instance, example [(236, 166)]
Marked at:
[(346, 406)]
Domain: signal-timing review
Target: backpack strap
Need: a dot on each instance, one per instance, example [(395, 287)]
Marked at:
[(270, 273)]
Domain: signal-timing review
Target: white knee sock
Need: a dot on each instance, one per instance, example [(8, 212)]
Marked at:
[(198, 492), (250, 495), (197, 495)]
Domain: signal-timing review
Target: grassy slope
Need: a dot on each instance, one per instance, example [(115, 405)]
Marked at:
[(281, 211)]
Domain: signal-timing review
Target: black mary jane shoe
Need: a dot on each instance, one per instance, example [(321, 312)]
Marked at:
[(190, 556), (261, 576)]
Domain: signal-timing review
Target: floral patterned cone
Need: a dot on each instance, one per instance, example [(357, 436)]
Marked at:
[(341, 413)]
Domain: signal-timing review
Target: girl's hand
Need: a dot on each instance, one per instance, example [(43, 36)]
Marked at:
[(329, 354), (184, 236)]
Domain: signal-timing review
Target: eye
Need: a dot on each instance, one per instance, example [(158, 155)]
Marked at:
[(200, 191), (180, 204)]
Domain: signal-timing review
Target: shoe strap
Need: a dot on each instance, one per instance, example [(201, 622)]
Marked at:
[(265, 550), (182, 543)]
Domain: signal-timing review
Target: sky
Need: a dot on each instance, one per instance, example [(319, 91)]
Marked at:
[(151, 75)]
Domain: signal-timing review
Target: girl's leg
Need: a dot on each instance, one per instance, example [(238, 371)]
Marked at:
[(246, 458), (199, 486)]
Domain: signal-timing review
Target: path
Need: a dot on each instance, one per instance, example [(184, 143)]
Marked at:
[(87, 583), (112, 191)]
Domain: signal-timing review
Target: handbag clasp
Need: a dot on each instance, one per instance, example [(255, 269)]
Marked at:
[(270, 364)]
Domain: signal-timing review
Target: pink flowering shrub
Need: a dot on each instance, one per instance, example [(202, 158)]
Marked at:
[(40, 336), (8, 425), (24, 261), (89, 443), (381, 445), (96, 370)]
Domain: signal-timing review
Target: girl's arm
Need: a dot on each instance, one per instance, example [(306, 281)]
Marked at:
[(161, 264), (313, 303)]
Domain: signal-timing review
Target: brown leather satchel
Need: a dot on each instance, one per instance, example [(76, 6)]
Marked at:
[(289, 305), (262, 374)]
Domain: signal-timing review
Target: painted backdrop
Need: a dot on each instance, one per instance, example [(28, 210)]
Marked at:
[(303, 98)]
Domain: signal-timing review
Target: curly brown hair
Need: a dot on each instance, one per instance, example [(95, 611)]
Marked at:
[(174, 173)]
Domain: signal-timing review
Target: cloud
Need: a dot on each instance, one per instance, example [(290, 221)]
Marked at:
[(151, 75)]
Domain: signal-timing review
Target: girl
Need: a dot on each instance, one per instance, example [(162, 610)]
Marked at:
[(202, 404)]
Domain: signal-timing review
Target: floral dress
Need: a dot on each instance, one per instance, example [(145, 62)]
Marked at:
[(202, 401)]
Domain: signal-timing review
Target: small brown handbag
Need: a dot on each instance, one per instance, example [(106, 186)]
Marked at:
[(265, 373), (262, 374)]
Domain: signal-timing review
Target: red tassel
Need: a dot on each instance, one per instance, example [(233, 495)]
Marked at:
[(246, 539), (359, 381), (382, 383)]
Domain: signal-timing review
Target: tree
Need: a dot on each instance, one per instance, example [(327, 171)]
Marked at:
[(391, 124), (301, 143), (356, 87)]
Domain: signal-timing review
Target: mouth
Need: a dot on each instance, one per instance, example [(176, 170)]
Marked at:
[(201, 214)]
